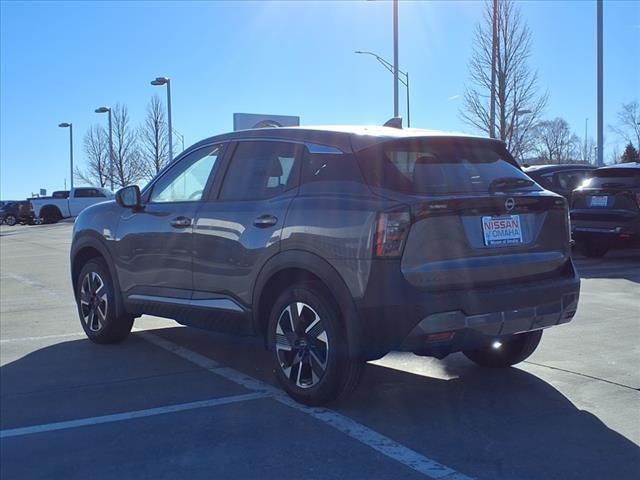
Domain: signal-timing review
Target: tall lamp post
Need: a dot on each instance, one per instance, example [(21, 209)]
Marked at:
[(165, 81), (391, 68), (70, 127), (108, 110)]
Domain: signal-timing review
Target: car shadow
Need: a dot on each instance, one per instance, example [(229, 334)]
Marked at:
[(486, 424)]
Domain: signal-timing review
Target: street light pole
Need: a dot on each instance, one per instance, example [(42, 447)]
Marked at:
[(600, 119), (390, 67), (408, 110), (396, 109), (70, 127), (108, 110), (166, 81)]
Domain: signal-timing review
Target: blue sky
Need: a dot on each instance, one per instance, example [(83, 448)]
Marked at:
[(61, 60)]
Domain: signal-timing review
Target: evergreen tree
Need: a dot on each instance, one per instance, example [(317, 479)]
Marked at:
[(630, 154)]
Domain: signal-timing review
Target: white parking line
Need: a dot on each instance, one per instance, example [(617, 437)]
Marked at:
[(119, 417), (365, 435), (42, 337)]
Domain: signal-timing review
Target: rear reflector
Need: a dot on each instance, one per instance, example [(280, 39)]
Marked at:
[(439, 337)]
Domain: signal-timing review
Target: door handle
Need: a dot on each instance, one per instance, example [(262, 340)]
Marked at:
[(181, 222), (265, 221)]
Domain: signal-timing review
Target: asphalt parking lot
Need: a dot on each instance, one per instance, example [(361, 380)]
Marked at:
[(172, 402)]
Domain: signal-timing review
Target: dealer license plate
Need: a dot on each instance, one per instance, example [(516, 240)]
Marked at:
[(599, 201), (502, 230)]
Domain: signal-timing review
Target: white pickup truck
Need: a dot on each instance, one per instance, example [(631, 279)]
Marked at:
[(65, 204)]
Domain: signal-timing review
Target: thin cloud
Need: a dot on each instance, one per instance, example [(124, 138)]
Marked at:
[(453, 97)]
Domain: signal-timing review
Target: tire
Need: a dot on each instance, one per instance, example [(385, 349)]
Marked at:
[(594, 250), (51, 215), (514, 349), (10, 220), (95, 296), (305, 325)]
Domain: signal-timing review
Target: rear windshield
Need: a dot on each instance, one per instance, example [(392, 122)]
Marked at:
[(614, 177), (440, 166)]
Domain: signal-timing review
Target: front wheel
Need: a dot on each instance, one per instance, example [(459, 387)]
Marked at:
[(95, 296), (506, 352), (309, 347), (10, 220)]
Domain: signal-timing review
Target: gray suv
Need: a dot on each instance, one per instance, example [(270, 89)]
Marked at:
[(336, 245)]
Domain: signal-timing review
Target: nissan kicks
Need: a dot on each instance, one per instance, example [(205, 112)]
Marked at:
[(336, 245)]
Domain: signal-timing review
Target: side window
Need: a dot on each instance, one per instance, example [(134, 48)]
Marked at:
[(571, 180), (546, 180), (187, 180), (323, 167), (260, 170), (88, 193)]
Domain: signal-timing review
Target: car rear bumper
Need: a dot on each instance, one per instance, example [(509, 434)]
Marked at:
[(396, 316)]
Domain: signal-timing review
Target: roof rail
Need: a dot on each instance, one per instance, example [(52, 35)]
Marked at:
[(395, 122)]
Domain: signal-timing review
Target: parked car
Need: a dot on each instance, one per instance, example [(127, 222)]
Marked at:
[(605, 210), (562, 179), (63, 204), (336, 245), (15, 212)]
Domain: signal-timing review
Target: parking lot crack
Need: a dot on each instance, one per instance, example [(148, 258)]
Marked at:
[(583, 375)]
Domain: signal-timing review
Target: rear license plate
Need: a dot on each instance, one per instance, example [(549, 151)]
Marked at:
[(599, 201), (502, 230)]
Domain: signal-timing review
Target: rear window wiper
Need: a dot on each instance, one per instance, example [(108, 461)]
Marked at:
[(509, 183)]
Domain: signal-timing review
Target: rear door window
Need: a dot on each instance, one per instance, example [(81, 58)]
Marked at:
[(441, 166), (330, 167), (260, 170)]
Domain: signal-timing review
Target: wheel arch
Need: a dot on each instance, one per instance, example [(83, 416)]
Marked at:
[(87, 248), (292, 266), (50, 208)]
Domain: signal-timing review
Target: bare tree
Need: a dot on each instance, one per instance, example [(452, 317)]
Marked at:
[(127, 164), (518, 105), (154, 140), (555, 143), (628, 125), (96, 149)]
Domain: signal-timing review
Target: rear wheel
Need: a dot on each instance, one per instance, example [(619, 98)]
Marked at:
[(51, 215), (10, 220), (593, 249), (508, 351), (95, 296), (308, 345)]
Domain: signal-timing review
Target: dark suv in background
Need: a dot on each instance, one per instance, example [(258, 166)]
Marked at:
[(605, 210), (562, 179), (337, 245)]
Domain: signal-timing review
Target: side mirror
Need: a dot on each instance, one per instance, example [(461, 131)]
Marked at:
[(129, 197)]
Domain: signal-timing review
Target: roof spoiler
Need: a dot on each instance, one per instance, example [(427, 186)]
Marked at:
[(395, 122)]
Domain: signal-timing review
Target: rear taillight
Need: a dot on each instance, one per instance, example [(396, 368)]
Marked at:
[(638, 199), (391, 232)]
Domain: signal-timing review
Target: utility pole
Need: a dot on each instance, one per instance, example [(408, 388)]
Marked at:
[(494, 54), (600, 159), (396, 108)]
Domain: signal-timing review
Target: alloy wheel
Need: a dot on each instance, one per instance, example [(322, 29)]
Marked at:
[(93, 301), (302, 345)]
